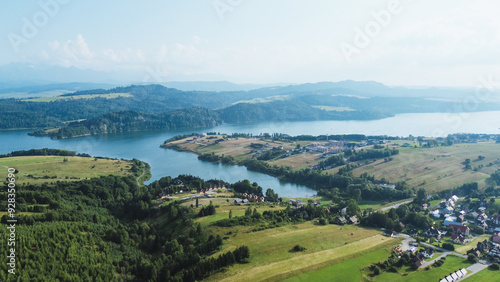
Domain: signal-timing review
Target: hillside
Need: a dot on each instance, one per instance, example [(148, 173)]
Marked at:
[(326, 101)]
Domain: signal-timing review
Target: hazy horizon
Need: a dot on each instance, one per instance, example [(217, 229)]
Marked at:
[(397, 43)]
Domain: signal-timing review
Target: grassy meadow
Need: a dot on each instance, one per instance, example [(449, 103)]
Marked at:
[(436, 168), (40, 169), (271, 258)]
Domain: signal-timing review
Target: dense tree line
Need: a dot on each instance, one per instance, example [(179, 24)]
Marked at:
[(43, 152), (103, 229), (370, 154)]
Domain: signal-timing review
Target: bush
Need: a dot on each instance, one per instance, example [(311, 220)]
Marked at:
[(297, 248), (494, 266), (393, 269), (448, 246), (376, 270), (472, 258)]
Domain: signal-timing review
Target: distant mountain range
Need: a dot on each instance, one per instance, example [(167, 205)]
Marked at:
[(104, 107)]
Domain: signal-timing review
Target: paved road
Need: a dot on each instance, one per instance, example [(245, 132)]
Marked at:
[(475, 268), (444, 250), (427, 263), (396, 205)]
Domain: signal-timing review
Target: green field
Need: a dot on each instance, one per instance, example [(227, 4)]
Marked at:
[(76, 97), (347, 270), (485, 275), (270, 257), (436, 168), (223, 208), (40, 169)]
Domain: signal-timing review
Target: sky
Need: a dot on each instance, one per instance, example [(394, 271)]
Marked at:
[(405, 42)]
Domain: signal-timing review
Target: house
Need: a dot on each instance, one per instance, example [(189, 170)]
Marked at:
[(240, 201), (482, 217), (496, 237), (389, 233), (427, 252), (432, 232), (447, 210), (451, 220), (460, 229), (436, 214), (496, 219), (417, 260), (458, 239), (474, 215), (353, 220), (340, 220), (343, 211)]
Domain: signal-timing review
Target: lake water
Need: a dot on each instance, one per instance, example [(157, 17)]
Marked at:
[(145, 145)]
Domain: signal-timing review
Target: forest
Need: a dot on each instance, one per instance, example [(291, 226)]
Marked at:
[(109, 229)]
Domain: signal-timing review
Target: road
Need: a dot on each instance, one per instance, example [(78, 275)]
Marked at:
[(143, 172), (396, 205)]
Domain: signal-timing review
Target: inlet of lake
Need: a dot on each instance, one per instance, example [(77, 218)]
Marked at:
[(166, 162)]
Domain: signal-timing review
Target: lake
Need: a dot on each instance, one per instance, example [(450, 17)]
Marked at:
[(164, 162)]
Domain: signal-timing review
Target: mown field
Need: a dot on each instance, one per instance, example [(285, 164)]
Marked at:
[(436, 168), (348, 270), (272, 260), (40, 169)]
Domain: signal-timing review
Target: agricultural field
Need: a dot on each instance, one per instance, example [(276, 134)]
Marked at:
[(76, 97), (347, 270), (436, 168), (271, 258), (40, 169)]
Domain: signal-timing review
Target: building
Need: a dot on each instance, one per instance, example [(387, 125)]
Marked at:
[(458, 239), (460, 229)]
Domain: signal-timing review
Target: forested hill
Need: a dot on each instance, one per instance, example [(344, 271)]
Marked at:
[(127, 121), (109, 229), (339, 101)]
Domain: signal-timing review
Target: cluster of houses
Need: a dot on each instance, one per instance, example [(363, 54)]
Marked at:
[(417, 258), (258, 199), (211, 188), (341, 220), (455, 276), (330, 147), (447, 208)]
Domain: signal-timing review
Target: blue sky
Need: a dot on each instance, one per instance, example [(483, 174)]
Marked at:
[(441, 43)]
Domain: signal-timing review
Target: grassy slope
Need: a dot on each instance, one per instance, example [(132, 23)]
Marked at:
[(76, 167), (434, 169), (270, 256), (347, 270), (439, 167)]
